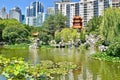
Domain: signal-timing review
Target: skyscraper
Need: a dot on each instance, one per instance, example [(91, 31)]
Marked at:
[(50, 11), (3, 13), (87, 9), (91, 8), (16, 13), (34, 14), (114, 3), (23, 19), (65, 0), (67, 8)]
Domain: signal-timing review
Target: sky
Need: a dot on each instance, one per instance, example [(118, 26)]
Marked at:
[(22, 4)]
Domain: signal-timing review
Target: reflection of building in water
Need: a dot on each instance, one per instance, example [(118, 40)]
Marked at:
[(83, 75), (86, 75), (70, 76), (33, 55)]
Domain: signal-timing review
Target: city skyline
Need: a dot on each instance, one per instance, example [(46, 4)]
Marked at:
[(22, 4)]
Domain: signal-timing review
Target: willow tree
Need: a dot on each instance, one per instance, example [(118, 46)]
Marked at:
[(67, 34), (94, 24), (110, 26)]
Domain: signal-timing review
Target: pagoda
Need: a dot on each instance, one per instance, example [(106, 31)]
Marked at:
[(77, 22), (35, 34)]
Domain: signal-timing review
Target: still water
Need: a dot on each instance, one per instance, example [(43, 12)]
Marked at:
[(89, 69)]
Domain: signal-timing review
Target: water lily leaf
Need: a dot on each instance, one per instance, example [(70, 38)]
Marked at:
[(10, 79), (6, 74), (21, 62), (17, 67), (16, 73), (32, 79)]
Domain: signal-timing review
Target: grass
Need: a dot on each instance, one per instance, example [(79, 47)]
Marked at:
[(46, 46), (17, 46), (24, 46)]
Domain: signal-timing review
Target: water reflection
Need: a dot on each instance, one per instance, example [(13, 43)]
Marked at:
[(88, 69), (33, 56)]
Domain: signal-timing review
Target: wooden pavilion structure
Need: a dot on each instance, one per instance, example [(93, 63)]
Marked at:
[(35, 34), (77, 23)]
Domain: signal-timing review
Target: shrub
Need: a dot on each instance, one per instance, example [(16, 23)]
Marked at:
[(114, 49)]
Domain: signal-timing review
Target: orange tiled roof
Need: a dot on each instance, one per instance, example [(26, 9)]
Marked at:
[(77, 27), (77, 17), (35, 34)]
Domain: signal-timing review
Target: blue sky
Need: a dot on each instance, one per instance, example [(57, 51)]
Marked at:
[(9, 4)]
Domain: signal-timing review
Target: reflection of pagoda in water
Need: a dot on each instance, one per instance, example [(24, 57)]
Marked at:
[(77, 22)]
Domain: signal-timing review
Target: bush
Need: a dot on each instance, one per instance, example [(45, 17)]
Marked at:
[(15, 34), (45, 38), (114, 49), (102, 42), (57, 39)]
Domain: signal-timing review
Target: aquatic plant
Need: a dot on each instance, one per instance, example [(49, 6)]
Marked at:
[(17, 68)]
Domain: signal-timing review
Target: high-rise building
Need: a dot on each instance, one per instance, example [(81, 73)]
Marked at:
[(34, 14), (91, 8), (87, 9), (23, 19), (114, 3), (65, 0), (67, 8), (15, 13), (101, 7), (3, 13), (50, 11)]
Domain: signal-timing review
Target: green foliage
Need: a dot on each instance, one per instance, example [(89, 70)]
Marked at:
[(67, 34), (17, 68), (2, 26), (82, 35), (94, 24), (53, 23), (0, 35), (104, 57), (31, 29), (9, 22), (102, 42), (44, 37), (15, 34), (17, 46), (110, 26), (114, 50)]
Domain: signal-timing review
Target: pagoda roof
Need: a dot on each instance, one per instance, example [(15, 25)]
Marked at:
[(35, 34), (76, 21), (77, 27), (77, 17)]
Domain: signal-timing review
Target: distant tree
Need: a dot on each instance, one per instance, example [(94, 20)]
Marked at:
[(16, 30), (15, 34), (94, 25), (110, 26), (0, 35), (67, 34), (45, 38), (53, 23), (2, 26), (0, 18)]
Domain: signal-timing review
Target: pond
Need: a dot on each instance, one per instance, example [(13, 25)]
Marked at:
[(89, 69)]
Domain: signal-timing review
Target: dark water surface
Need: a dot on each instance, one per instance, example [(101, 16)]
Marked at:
[(89, 69)]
